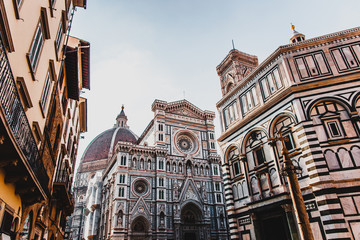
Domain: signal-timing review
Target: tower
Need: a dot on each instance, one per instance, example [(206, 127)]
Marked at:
[(234, 68)]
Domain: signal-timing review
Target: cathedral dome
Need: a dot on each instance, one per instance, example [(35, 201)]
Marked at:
[(104, 144)]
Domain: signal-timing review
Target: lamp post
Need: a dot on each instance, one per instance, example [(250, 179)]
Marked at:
[(289, 170)]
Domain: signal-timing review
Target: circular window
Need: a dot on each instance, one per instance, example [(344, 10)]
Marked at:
[(140, 187), (186, 143)]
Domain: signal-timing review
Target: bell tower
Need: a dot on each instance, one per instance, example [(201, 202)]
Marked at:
[(234, 68)]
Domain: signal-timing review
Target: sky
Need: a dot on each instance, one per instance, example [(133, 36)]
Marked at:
[(142, 50)]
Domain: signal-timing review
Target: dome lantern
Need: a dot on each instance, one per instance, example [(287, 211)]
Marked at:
[(121, 119), (297, 37)]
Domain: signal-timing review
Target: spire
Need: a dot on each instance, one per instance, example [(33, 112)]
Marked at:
[(297, 37), (121, 119)]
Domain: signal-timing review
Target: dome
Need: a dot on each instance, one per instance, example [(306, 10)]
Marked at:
[(105, 143)]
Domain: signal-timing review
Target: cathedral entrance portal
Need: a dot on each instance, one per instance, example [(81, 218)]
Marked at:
[(140, 229), (192, 226)]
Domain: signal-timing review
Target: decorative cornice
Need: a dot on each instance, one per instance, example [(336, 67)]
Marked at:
[(171, 106), (288, 49)]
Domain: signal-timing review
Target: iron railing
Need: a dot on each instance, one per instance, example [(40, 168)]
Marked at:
[(17, 120), (63, 176)]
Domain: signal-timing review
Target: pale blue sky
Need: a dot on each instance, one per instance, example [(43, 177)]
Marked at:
[(142, 50)]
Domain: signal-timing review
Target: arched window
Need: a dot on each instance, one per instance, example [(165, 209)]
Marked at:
[(332, 116), (207, 171), (233, 160), (168, 166), (196, 170), (284, 126), (255, 149)]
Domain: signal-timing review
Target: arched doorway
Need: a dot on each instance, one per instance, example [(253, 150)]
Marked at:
[(192, 226), (140, 229)]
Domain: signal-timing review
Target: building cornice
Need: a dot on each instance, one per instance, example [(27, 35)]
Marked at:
[(284, 94), (287, 49)]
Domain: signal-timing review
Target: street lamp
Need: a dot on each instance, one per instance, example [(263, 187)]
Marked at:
[(290, 171)]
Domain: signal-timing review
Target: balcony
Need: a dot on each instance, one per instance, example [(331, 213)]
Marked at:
[(62, 187), (21, 143)]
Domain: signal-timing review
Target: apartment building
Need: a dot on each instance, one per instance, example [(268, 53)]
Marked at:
[(42, 73)]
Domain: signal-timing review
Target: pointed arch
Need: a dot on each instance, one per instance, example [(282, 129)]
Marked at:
[(140, 225)]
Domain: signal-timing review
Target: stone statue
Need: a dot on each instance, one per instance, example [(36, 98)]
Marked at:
[(120, 218)]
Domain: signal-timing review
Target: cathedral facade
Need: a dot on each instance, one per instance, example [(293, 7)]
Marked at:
[(301, 105), (165, 184)]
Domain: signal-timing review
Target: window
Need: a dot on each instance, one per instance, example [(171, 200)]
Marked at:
[(52, 2), (59, 37), (45, 93), (123, 161), (259, 155), (332, 116), (18, 3), (290, 145), (211, 136), (161, 127), (233, 159), (24, 94), (271, 83), (312, 65), (122, 178), (121, 192), (161, 164), (218, 198), (249, 100), (346, 57), (161, 182), (236, 167), (36, 47), (334, 128), (161, 137), (216, 170), (212, 145), (217, 187), (230, 114), (161, 194)]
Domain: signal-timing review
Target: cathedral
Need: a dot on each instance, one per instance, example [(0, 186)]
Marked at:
[(165, 184)]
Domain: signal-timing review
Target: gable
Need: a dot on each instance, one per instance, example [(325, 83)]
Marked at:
[(185, 110)]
